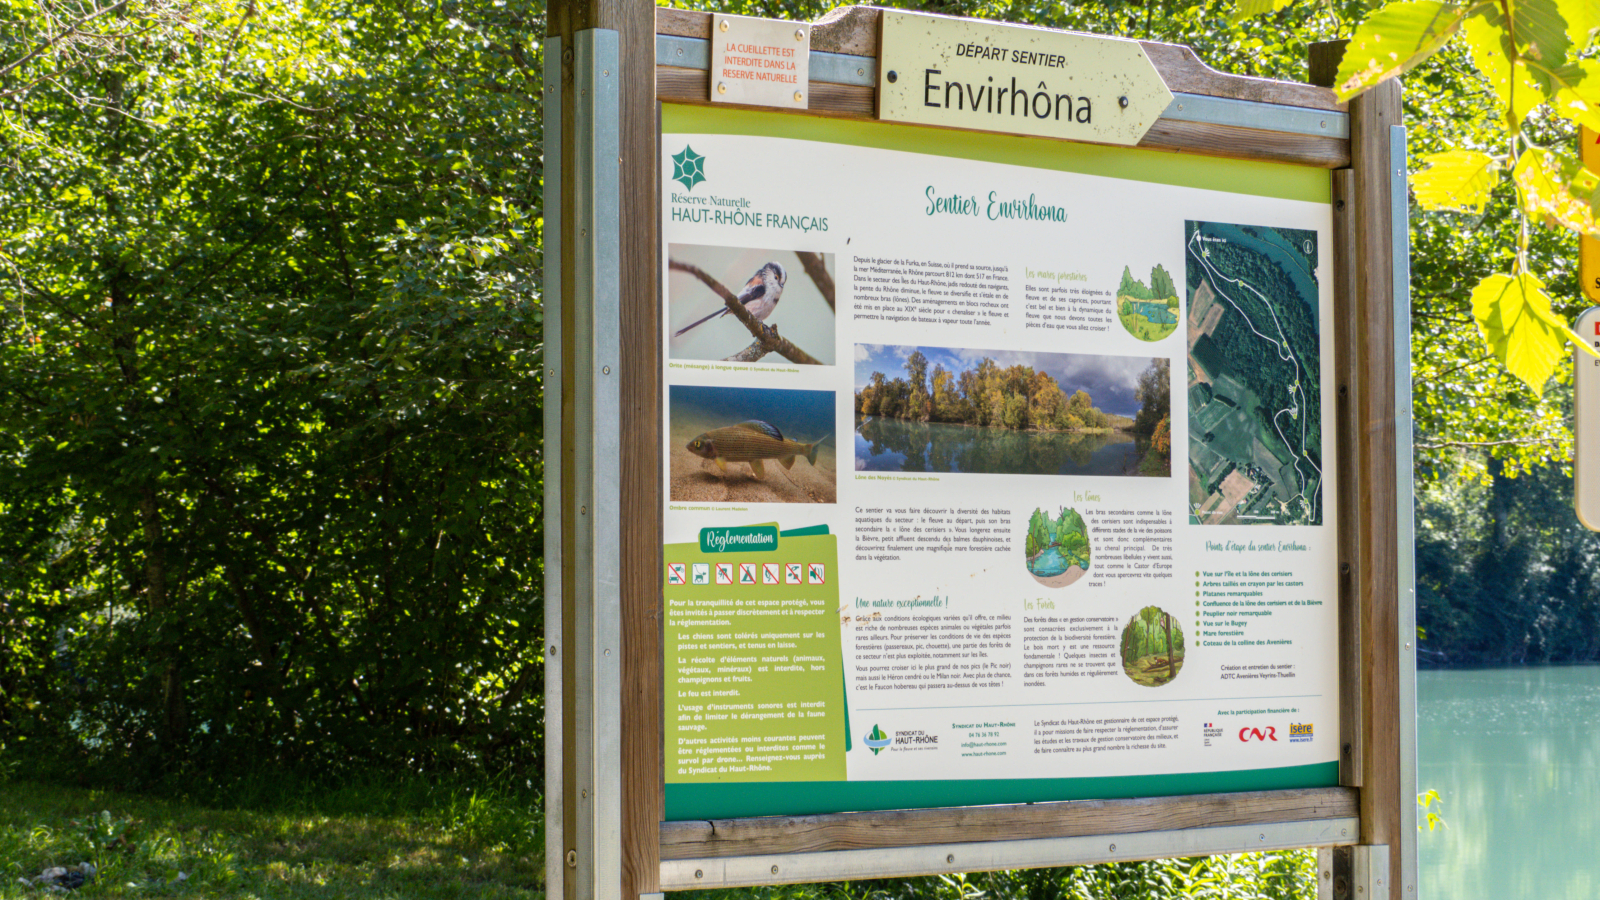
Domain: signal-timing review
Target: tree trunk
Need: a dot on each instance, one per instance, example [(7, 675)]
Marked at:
[(1172, 661), (174, 711), (1500, 503)]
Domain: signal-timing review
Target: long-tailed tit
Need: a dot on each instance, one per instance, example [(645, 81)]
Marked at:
[(760, 295)]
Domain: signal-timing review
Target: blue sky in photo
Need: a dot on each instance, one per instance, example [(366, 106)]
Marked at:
[(1109, 380)]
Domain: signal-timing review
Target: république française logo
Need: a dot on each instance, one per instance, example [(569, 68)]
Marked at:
[(688, 168)]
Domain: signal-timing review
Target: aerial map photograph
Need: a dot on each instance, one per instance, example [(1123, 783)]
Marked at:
[(1255, 413)]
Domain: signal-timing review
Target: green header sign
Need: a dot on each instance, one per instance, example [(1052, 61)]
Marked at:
[(751, 538)]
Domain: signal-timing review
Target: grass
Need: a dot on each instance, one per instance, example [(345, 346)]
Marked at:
[(361, 841), (404, 838)]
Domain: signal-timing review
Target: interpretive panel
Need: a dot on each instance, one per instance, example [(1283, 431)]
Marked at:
[(1033, 503)]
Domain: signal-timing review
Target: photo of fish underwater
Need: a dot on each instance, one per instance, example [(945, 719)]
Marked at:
[(751, 445)]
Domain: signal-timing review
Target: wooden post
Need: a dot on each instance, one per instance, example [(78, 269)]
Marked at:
[(631, 536), (1372, 496)]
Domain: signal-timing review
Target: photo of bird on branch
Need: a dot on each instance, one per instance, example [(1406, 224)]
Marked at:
[(709, 321)]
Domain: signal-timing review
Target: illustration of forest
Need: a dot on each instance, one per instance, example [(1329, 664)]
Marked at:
[(989, 395), (1067, 533), (1152, 647), (1161, 286)]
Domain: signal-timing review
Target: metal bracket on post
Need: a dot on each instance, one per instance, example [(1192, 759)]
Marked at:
[(1405, 515), (1360, 872), (584, 717), (554, 810), (1369, 870)]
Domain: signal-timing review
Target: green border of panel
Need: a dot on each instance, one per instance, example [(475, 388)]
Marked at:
[(1262, 179), (739, 800)]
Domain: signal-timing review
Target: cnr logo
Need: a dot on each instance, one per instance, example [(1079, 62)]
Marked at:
[(1256, 734)]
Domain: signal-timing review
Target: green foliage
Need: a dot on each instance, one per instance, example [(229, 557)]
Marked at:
[(1133, 287), (1161, 285), (1154, 393), (1066, 531), (1466, 404), (1432, 819), (1505, 573), (269, 415)]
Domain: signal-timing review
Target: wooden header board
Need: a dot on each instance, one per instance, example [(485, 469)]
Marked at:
[(766, 524)]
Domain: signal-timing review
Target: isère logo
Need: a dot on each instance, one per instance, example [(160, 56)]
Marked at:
[(1300, 733)]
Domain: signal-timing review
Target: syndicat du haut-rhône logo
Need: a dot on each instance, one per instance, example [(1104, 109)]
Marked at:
[(876, 739)]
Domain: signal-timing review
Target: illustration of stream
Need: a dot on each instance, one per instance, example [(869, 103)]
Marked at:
[(1052, 561)]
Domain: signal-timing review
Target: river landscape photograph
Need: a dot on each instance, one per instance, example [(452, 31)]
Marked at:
[(939, 409)]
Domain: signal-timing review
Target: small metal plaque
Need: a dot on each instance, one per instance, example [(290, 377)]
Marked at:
[(760, 62), (984, 76)]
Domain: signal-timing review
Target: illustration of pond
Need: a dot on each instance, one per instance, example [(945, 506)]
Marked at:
[(1158, 313), (893, 445)]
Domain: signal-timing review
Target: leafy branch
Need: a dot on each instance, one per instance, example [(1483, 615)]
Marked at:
[(1472, 445), (767, 339), (64, 34), (1529, 52)]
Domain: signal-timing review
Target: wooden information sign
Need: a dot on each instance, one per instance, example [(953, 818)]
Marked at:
[(940, 484)]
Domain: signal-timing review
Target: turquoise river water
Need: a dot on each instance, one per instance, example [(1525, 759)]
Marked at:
[(1515, 757)]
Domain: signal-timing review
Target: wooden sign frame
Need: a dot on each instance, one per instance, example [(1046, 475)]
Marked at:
[(609, 64)]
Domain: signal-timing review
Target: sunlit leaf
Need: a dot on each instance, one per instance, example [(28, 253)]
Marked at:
[(1457, 179), (1557, 191), (1247, 8), (1514, 85), (1514, 317), (1541, 31), (1582, 17), (1394, 39), (1577, 97)]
